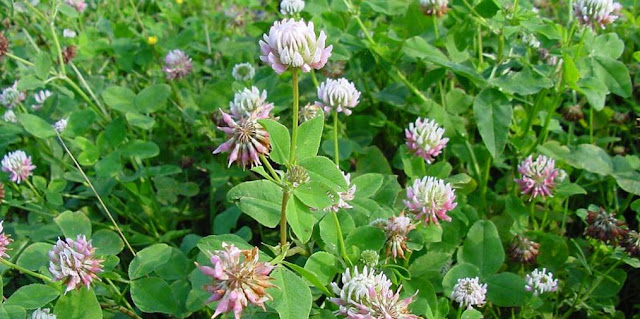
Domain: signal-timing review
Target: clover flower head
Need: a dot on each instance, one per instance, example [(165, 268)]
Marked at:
[(5, 240), (631, 243), (68, 33), (69, 53), (296, 176), (309, 111), (334, 69), (243, 72), (573, 113), (42, 314), (291, 7), (468, 292), (237, 279), (10, 116), (539, 177), (40, 97), (596, 13), (10, 96), (74, 263), (344, 197), (370, 258), (530, 40), (177, 64), (356, 286), (425, 138), (540, 282), (430, 198), (292, 43), (250, 103), (434, 7), (61, 125), (396, 229), (79, 5), (339, 95), (247, 140), (18, 164), (523, 250), (605, 226)]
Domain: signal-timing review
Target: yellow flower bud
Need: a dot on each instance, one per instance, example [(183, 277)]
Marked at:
[(152, 40)]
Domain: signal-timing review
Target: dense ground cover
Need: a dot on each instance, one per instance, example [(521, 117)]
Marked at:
[(328, 158)]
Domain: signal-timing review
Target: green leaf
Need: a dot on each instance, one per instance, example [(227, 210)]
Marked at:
[(35, 256), (148, 259), (324, 170), (525, 82), (78, 304), (590, 158), (614, 74), (594, 90), (153, 295), (260, 199), (140, 149), (142, 121), (329, 233), (311, 277), (42, 65), (300, 218), (119, 98), (628, 181), (366, 238), (309, 136), (107, 242), (459, 271), (74, 224), (386, 7), (483, 248), (471, 314), (292, 299), (570, 72), (324, 265), (68, 11), (32, 296), (367, 184), (36, 126), (152, 98), (506, 289), (607, 45), (493, 112), (280, 140), (315, 194)]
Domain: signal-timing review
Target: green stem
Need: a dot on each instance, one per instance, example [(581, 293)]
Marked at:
[(342, 247), (336, 147), (591, 125), (480, 57), (459, 313), (56, 42), (84, 96), (283, 219), (435, 26), (88, 88), (296, 107), (19, 59), (25, 271), (313, 78), (269, 168), (137, 16)]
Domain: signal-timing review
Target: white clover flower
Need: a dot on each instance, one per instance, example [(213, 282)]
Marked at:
[(468, 292), (10, 116), (540, 282), (79, 5), (530, 40), (596, 13), (42, 314), (309, 111), (40, 97), (177, 64), (18, 164), (10, 96), (425, 138), (250, 103), (68, 33), (434, 7), (290, 7), (355, 287), (61, 125), (21, 7), (243, 72), (344, 197), (292, 43), (339, 95), (430, 198)]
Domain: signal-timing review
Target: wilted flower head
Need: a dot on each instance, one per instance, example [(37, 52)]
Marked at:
[(292, 43), (69, 53), (620, 117), (396, 229), (596, 13), (4, 45), (74, 263), (40, 97), (10, 116), (296, 176), (539, 177), (250, 103), (367, 295), (290, 7), (631, 243), (5, 240), (42, 314), (19, 165), (177, 64), (61, 125), (79, 5), (540, 282), (573, 113), (309, 111), (68, 33), (339, 95), (334, 69), (243, 72), (434, 7), (247, 140), (523, 250), (605, 226), (425, 139), (468, 292), (430, 198), (10, 96), (344, 197), (238, 278), (370, 258)]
